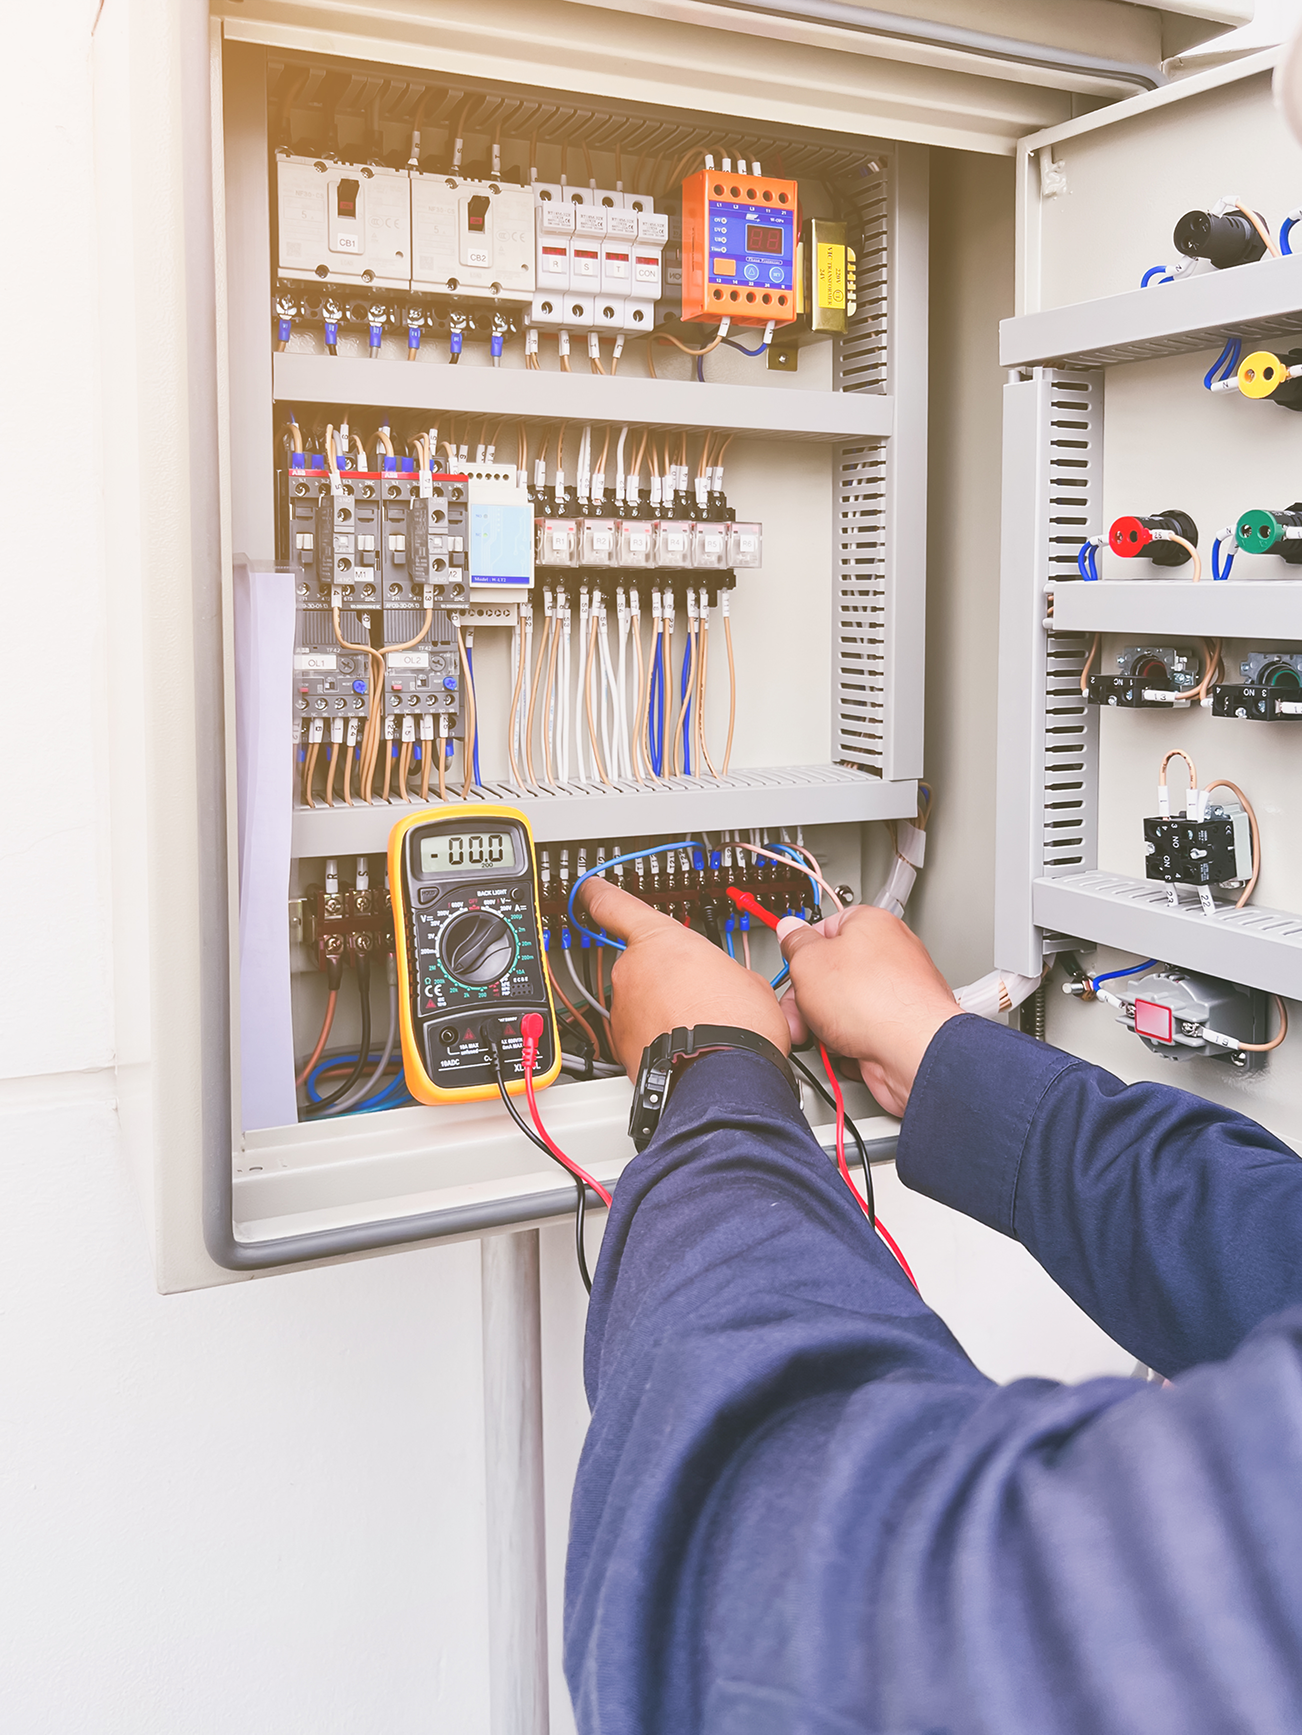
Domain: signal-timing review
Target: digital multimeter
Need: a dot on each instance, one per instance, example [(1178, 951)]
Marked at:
[(468, 945)]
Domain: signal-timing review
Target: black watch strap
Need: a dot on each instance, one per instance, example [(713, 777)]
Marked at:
[(669, 1051)]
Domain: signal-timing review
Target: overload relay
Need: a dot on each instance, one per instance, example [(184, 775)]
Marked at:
[(1271, 691), (330, 680), (1151, 676), (1212, 851), (422, 677)]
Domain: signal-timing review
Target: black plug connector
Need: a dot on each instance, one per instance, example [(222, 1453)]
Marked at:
[(1226, 240)]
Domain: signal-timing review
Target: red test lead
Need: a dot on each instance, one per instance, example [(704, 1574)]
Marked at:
[(531, 1029), (753, 907)]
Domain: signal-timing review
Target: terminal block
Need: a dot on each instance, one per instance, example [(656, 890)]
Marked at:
[(1150, 677), (1271, 691)]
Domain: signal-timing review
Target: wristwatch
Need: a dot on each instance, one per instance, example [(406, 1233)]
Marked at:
[(667, 1053)]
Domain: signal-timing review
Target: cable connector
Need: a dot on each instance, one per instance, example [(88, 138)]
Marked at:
[(563, 344), (619, 350), (594, 346)]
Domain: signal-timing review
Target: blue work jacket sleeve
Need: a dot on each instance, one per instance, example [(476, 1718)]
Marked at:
[(800, 1510), (1174, 1223)]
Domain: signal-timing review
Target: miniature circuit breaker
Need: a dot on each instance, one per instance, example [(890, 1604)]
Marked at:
[(343, 222), (472, 237)]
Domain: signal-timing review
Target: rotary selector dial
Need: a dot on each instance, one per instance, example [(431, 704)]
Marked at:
[(478, 948)]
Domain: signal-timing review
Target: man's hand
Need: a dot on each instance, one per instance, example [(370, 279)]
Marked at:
[(670, 976), (866, 987)]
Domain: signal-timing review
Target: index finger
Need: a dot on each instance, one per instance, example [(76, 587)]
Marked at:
[(618, 912)]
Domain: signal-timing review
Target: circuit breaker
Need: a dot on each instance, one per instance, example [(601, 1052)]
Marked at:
[(342, 222), (472, 236)]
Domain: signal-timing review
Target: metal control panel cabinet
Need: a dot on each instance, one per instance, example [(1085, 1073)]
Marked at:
[(1106, 413)]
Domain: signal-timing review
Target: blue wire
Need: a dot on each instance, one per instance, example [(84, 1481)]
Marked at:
[(1152, 272), (762, 348), (780, 978), (700, 368), (343, 1060), (610, 862), (1285, 231), (728, 941), (1085, 561), (1226, 362), (653, 709), (1131, 970), (474, 754), (687, 714), (1219, 572)]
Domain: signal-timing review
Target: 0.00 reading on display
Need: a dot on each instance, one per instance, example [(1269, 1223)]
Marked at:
[(440, 854)]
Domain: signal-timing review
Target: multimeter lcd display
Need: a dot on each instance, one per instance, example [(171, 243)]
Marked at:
[(454, 851), (763, 238)]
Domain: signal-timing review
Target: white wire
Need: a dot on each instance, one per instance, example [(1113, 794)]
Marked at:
[(574, 977), (581, 688), (621, 700), (564, 690), (786, 861), (607, 697)]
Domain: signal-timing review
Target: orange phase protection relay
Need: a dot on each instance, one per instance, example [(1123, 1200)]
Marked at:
[(739, 248)]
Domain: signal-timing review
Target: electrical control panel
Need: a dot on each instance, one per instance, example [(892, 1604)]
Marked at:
[(517, 543), (1149, 608)]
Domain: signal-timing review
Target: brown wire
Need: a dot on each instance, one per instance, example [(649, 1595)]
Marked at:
[(1089, 663), (331, 1002), (589, 661), (309, 773), (515, 704), (573, 1010), (332, 763), (1215, 665), (1280, 1034), (732, 693), (548, 625), (348, 774), (1224, 783), (702, 745), (404, 769)]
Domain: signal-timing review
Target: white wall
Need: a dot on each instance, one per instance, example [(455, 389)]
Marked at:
[(260, 1507)]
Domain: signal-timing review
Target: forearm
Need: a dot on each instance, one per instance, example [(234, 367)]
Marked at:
[(1173, 1222), (738, 1278)]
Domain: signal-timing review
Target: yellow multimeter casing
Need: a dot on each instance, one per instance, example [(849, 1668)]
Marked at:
[(463, 881)]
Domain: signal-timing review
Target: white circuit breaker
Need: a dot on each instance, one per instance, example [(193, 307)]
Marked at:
[(343, 222), (472, 235)]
